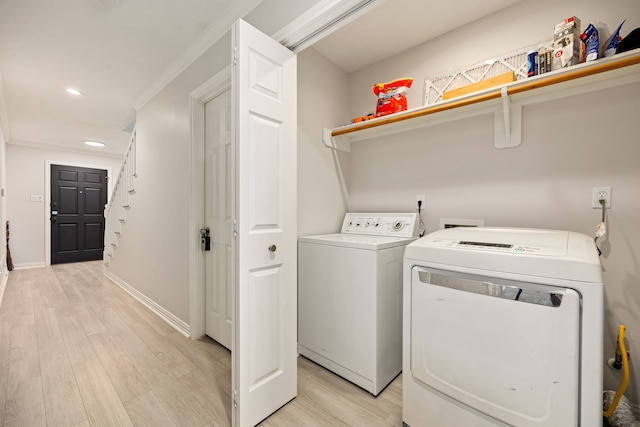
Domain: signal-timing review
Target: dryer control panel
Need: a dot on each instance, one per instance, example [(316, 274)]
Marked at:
[(381, 224)]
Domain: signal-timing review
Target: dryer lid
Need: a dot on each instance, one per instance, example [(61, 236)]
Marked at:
[(504, 240), (546, 253)]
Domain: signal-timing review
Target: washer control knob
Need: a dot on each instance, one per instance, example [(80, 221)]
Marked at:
[(397, 225)]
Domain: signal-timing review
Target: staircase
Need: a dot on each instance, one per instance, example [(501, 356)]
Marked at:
[(115, 212)]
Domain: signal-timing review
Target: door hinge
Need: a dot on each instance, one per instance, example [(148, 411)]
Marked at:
[(235, 399), (235, 228), (235, 55)]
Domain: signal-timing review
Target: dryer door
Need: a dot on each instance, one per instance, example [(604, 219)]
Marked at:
[(507, 349)]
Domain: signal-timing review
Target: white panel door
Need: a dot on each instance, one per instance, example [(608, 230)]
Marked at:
[(264, 326), (217, 147)]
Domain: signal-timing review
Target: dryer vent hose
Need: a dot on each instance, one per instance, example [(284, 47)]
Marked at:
[(623, 414)]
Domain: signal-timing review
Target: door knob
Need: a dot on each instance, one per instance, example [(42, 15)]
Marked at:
[(272, 248), (205, 239)]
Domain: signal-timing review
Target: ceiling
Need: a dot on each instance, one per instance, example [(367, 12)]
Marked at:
[(110, 50), (393, 26), (115, 51)]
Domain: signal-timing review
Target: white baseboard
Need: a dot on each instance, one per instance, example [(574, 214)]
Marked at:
[(164, 314), (26, 265), (4, 278)]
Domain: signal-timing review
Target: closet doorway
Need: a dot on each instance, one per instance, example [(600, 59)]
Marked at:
[(217, 217)]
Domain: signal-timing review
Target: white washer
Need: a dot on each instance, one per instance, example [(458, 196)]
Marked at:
[(502, 327), (350, 297)]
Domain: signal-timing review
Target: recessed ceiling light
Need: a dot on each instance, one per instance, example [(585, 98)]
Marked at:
[(73, 91), (94, 143)]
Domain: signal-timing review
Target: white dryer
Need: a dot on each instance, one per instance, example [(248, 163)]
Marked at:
[(502, 327), (350, 297)]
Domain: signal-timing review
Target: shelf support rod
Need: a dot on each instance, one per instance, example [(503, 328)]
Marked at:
[(335, 142), (506, 113)]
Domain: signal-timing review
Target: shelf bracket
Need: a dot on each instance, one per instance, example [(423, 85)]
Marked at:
[(339, 143), (508, 123), (506, 112)]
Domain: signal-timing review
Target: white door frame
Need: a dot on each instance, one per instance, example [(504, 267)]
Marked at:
[(197, 100), (47, 198)]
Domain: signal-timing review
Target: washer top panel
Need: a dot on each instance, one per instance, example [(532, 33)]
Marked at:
[(381, 224)]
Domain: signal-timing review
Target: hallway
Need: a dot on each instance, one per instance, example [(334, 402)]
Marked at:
[(76, 350)]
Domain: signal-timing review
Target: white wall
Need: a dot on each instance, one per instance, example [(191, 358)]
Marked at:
[(3, 208), (26, 175), (569, 146), (322, 173), (152, 254)]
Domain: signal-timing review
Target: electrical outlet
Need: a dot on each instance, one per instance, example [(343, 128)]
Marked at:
[(598, 194), (420, 198)]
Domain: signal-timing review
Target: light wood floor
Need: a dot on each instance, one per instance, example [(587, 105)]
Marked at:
[(76, 350)]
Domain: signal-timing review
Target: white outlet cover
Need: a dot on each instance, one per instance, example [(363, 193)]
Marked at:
[(595, 200)]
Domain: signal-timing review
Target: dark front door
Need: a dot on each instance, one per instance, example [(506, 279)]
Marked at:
[(78, 197)]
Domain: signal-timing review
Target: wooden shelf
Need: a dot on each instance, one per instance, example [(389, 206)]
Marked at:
[(505, 101)]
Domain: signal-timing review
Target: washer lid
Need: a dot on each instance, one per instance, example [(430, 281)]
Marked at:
[(544, 253), (357, 241)]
